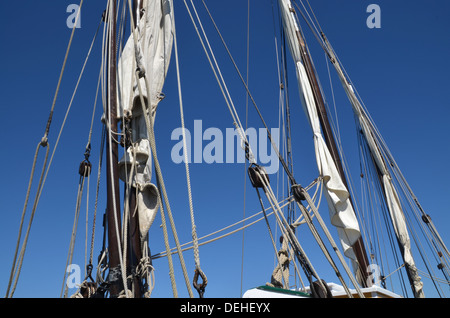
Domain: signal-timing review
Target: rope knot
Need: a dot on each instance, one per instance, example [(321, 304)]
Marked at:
[(200, 287)]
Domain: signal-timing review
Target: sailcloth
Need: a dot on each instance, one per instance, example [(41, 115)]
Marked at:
[(392, 199), (341, 210), (149, 53)]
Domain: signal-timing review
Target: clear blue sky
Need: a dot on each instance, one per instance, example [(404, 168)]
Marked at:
[(401, 71)]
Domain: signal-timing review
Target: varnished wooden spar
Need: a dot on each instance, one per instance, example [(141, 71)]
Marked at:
[(135, 252), (358, 247), (112, 153)]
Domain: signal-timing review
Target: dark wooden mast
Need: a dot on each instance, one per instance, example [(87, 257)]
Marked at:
[(113, 189), (135, 251), (112, 180), (358, 247)]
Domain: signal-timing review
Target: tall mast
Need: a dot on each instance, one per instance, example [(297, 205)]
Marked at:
[(358, 247), (135, 252), (112, 181), (389, 192)]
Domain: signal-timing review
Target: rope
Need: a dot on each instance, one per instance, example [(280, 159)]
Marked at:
[(102, 145), (163, 217), (280, 261), (280, 158), (163, 254), (331, 240), (161, 185), (407, 191), (83, 174), (110, 9), (126, 212), (150, 131), (44, 142), (191, 207), (145, 269), (281, 271), (15, 271), (287, 231), (47, 129), (74, 229), (222, 85), (269, 193), (246, 126)]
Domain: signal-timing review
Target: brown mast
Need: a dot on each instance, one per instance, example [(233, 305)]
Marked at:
[(112, 181), (135, 252), (358, 247)]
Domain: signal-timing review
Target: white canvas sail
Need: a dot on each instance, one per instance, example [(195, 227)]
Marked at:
[(341, 210), (392, 199), (151, 55)]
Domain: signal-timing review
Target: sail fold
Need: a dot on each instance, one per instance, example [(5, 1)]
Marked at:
[(341, 210), (150, 53), (392, 199)]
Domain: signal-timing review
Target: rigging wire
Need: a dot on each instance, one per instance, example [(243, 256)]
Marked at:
[(412, 200), (280, 158), (83, 174), (282, 161), (246, 84), (287, 201), (109, 90), (243, 227), (198, 270), (233, 111), (245, 162), (15, 271)]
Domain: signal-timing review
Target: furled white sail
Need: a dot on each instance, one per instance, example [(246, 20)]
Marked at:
[(150, 53), (392, 199), (341, 210)]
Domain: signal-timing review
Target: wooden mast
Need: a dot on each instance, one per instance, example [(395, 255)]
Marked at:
[(112, 181), (358, 247), (135, 252), (379, 173), (113, 204)]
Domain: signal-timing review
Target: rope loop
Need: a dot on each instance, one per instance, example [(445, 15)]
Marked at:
[(89, 268), (200, 287)]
